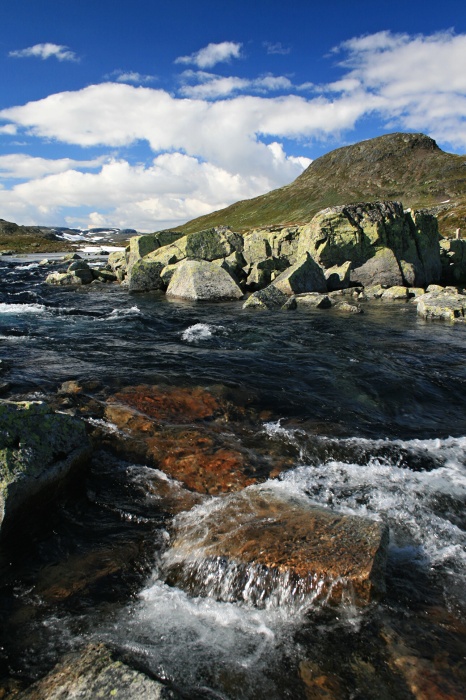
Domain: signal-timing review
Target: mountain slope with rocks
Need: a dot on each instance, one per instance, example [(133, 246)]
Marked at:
[(410, 168)]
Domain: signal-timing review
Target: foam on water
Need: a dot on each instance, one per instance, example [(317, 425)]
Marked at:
[(124, 313), (201, 331), (22, 308)]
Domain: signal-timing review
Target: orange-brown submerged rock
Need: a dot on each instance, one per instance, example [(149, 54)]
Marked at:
[(259, 544), (181, 431)]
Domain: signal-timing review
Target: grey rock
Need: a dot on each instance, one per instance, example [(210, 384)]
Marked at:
[(269, 298), (38, 449), (442, 305), (304, 276), (201, 280), (318, 301), (95, 672)]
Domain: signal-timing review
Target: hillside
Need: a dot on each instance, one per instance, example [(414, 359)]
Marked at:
[(410, 168)]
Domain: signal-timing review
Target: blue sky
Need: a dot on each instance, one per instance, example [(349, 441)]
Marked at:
[(146, 114)]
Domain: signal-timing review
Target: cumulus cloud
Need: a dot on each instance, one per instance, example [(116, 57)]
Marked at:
[(45, 51), (416, 82), (22, 166), (210, 86), (212, 54)]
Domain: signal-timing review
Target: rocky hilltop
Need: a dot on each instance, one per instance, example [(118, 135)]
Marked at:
[(405, 167)]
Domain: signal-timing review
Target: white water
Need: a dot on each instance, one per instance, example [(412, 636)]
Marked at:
[(22, 308), (201, 331)]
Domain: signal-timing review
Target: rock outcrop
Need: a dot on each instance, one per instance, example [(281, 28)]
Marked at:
[(38, 450), (442, 303), (260, 544)]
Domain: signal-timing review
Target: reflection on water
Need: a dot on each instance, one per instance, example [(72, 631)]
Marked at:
[(367, 411)]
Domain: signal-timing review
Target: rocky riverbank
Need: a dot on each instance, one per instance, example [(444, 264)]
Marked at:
[(359, 249)]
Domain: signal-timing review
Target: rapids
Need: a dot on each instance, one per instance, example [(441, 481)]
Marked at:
[(369, 413)]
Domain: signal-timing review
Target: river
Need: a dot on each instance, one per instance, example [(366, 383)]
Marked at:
[(369, 411)]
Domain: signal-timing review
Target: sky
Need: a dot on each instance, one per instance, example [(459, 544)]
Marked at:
[(145, 114)]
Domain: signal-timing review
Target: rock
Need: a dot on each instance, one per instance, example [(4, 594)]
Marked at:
[(200, 280), (44, 262), (395, 293), (211, 244), (145, 275), (261, 273), (116, 263), (374, 291), (444, 305), (38, 450), (338, 276), (72, 256), (64, 278), (260, 545), (318, 301), (304, 276), (406, 249), (95, 672), (383, 268), (349, 308), (140, 246), (268, 298), (453, 260), (104, 275), (279, 242)]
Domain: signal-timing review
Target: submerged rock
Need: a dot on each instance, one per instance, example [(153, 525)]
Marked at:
[(95, 672), (261, 545), (200, 280), (38, 450)]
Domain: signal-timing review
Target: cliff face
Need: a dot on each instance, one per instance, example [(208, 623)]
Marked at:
[(410, 168)]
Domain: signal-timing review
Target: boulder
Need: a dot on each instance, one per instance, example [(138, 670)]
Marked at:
[(395, 293), (211, 244), (442, 304), (262, 545), (38, 450), (304, 276), (279, 242), (65, 278), (318, 301), (96, 672), (116, 263), (140, 246), (383, 268), (406, 247), (145, 275), (453, 260), (200, 280), (268, 298), (261, 273), (72, 256)]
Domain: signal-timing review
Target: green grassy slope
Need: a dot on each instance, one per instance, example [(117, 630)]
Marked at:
[(410, 168)]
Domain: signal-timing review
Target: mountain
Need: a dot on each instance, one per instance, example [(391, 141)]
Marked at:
[(410, 168), (43, 239)]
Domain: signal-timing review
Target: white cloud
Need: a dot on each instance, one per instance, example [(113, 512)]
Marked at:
[(131, 77), (22, 166), (44, 51), (212, 54), (210, 86), (417, 82)]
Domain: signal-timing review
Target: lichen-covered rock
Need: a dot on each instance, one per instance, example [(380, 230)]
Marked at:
[(453, 260), (349, 308), (318, 301), (263, 272), (38, 449), (383, 268), (140, 246), (406, 249), (65, 278), (443, 305), (200, 280), (145, 275), (95, 672), (304, 276), (261, 544), (116, 263), (280, 242), (338, 276), (268, 298), (395, 293)]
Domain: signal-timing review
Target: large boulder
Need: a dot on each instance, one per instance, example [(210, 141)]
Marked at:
[(280, 242), (304, 276), (406, 246), (200, 280), (269, 298), (261, 545), (38, 450), (140, 246)]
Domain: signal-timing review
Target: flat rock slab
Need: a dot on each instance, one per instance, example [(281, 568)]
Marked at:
[(443, 305), (95, 673), (260, 545)]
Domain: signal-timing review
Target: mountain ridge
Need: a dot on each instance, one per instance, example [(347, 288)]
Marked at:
[(407, 167)]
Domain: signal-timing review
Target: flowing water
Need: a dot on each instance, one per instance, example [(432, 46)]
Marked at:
[(368, 412)]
